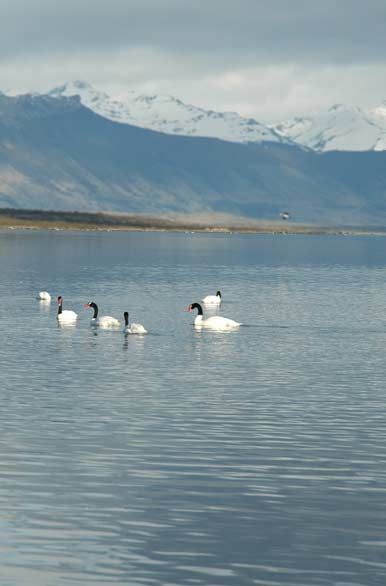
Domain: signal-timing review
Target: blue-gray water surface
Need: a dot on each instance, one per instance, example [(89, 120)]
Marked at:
[(189, 457)]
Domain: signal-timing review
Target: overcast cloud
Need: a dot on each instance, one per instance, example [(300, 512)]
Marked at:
[(266, 58)]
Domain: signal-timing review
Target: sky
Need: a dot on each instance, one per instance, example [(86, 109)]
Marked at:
[(269, 59)]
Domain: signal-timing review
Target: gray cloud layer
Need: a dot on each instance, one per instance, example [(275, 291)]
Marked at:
[(239, 49)]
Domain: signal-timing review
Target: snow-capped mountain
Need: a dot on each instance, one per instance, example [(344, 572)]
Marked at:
[(341, 128), (93, 164), (169, 115)]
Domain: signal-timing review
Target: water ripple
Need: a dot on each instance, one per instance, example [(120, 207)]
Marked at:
[(189, 457)]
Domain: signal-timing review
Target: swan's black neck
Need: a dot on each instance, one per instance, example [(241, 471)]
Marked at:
[(198, 307), (218, 294), (95, 308), (126, 318), (60, 305)]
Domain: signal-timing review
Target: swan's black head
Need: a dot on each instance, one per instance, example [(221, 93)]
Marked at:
[(126, 318), (195, 306), (94, 306), (218, 294), (59, 299)]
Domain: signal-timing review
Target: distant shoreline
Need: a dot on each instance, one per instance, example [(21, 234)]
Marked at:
[(18, 219)]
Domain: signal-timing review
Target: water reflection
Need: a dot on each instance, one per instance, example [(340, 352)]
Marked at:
[(66, 325), (44, 306)]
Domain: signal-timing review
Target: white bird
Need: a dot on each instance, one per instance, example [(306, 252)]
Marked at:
[(216, 322), (212, 299), (65, 316), (44, 296), (132, 328), (104, 322)]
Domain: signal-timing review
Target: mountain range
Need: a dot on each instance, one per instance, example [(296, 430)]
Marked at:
[(168, 114), (57, 153), (342, 127)]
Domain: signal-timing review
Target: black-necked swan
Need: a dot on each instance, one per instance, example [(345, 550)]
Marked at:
[(216, 322), (65, 315), (132, 328), (44, 296), (212, 299), (106, 321)]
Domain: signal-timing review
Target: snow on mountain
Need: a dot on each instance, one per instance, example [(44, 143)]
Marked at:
[(341, 128), (169, 115)]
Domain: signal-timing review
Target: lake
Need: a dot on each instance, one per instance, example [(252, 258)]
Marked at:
[(186, 457)]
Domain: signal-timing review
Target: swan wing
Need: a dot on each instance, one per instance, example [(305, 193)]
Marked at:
[(211, 300), (217, 322), (107, 321), (137, 329), (67, 315)]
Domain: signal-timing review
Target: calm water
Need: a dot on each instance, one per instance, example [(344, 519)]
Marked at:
[(184, 457)]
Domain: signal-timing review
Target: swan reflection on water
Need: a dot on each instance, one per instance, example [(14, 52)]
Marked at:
[(44, 306)]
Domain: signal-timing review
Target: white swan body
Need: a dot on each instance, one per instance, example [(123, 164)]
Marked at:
[(65, 316), (105, 322), (215, 322), (44, 296), (212, 299), (132, 328)]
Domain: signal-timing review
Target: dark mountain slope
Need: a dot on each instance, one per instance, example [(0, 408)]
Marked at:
[(57, 154)]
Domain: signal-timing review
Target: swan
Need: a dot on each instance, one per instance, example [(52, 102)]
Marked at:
[(44, 296), (133, 328), (65, 316), (212, 299), (106, 321), (216, 322)]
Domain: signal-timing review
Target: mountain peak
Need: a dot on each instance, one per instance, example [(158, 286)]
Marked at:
[(342, 127), (337, 107), (344, 108), (165, 113), (380, 110), (82, 85), (72, 88)]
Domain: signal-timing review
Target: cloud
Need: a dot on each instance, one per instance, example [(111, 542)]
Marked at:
[(275, 31), (265, 59)]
